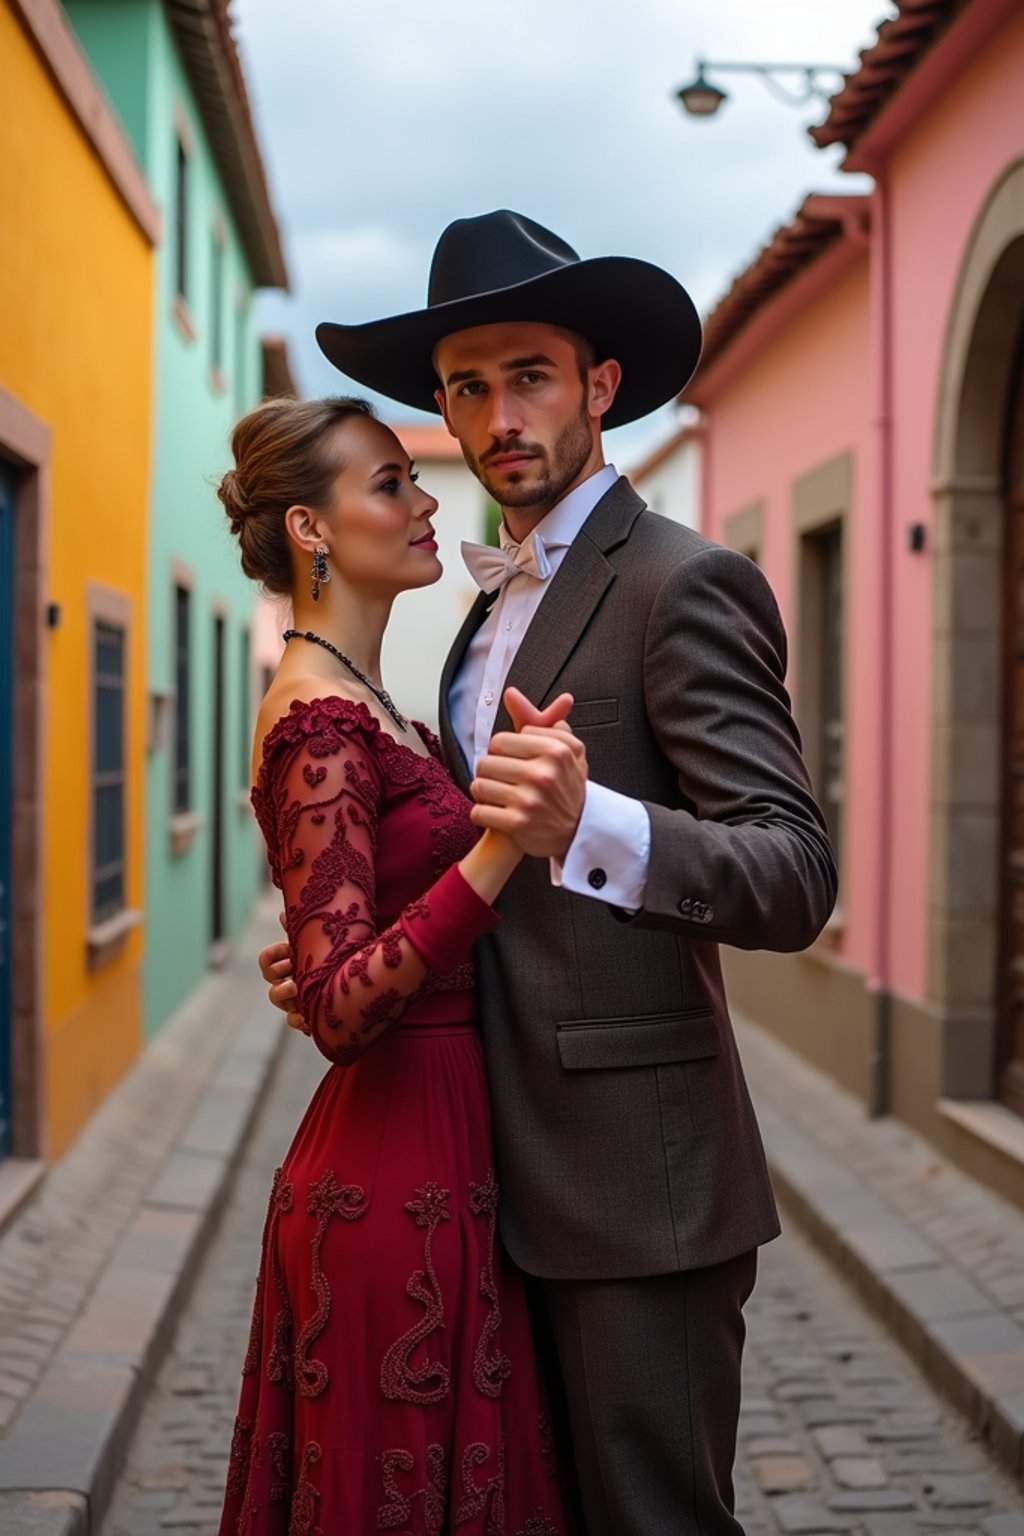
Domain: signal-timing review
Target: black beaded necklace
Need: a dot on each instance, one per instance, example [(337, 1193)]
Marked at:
[(383, 698)]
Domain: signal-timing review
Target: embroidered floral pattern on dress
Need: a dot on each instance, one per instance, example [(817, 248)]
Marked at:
[(397, 1509), (327, 771), (279, 1365), (538, 1525), (252, 1353), (239, 1456), (400, 1380), (327, 1198), (490, 1372), (487, 1500), (278, 1454), (273, 1453), (306, 1497)]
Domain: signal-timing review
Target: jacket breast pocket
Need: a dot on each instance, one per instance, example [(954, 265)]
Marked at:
[(656, 1040), (587, 712)]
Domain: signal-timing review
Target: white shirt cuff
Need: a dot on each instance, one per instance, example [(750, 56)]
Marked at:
[(610, 854)]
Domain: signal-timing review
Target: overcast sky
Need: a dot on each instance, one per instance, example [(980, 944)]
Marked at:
[(383, 120)]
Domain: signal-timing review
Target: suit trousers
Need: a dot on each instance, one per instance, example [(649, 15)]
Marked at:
[(647, 1375)]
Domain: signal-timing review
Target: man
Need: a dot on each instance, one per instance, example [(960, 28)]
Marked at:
[(634, 1184)]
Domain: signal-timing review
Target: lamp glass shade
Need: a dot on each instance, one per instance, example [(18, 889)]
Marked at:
[(701, 99)]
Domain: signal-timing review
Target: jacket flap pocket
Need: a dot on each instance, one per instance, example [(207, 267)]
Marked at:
[(594, 712), (639, 1042)]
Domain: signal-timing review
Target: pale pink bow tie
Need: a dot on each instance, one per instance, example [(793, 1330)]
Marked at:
[(491, 568)]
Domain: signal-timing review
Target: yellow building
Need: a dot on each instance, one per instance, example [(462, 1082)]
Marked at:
[(77, 236)]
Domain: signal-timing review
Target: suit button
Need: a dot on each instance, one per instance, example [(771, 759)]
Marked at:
[(597, 878), (709, 913), (685, 906)]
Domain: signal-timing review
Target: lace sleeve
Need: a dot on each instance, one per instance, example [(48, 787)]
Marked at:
[(320, 805)]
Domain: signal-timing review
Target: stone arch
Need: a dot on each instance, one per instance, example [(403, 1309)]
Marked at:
[(985, 321)]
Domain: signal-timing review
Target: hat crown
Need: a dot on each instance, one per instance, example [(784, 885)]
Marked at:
[(493, 251)]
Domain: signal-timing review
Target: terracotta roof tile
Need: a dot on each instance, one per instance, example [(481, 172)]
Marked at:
[(900, 44), (205, 36), (819, 223)]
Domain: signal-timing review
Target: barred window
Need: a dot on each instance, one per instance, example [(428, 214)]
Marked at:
[(108, 787), (182, 791)]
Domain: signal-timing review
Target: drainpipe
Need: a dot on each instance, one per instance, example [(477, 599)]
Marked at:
[(879, 978)]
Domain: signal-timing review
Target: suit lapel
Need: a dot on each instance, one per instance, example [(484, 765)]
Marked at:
[(452, 751), (573, 596), (576, 589)]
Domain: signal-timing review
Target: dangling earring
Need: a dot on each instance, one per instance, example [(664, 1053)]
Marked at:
[(320, 571)]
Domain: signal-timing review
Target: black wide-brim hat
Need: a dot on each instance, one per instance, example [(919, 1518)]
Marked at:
[(502, 266)]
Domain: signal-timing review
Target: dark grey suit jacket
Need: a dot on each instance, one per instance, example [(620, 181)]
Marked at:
[(626, 1140)]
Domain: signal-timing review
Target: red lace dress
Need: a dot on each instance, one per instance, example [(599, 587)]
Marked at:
[(390, 1381)]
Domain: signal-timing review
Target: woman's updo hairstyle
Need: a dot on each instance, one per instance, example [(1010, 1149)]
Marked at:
[(285, 456)]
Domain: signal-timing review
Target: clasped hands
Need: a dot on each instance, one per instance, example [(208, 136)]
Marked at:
[(532, 781), (531, 784)]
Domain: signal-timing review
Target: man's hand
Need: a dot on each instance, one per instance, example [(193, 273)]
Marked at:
[(532, 782), (276, 968)]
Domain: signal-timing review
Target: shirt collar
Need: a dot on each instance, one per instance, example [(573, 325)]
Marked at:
[(561, 525)]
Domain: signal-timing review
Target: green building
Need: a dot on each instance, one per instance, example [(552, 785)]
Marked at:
[(173, 74)]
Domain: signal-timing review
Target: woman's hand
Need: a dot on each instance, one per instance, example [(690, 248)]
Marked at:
[(276, 968)]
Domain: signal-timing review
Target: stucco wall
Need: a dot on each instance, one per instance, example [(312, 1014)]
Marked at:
[(815, 388), (802, 402), (76, 322), (188, 530), (938, 182)]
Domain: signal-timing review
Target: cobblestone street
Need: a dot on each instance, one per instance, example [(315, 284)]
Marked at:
[(840, 1432)]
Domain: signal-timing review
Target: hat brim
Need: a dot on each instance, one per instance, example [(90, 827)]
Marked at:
[(627, 309)]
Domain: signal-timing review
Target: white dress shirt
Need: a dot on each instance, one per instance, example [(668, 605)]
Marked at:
[(610, 853)]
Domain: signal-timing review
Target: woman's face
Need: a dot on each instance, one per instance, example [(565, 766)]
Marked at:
[(380, 537)]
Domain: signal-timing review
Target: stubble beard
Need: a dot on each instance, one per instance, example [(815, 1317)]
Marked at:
[(560, 468)]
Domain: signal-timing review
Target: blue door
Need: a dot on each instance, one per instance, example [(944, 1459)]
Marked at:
[(6, 749)]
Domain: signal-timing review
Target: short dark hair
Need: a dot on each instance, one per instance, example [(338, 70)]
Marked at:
[(586, 354)]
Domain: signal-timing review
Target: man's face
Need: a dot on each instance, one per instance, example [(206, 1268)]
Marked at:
[(528, 423)]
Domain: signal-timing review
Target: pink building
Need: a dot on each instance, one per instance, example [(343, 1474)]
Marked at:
[(862, 394)]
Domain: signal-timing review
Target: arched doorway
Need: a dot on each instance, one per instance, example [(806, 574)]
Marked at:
[(1010, 973), (976, 918)]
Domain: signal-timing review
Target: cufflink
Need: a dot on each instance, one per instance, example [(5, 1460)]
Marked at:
[(597, 878)]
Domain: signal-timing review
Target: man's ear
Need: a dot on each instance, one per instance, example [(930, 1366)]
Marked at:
[(442, 405), (605, 379)]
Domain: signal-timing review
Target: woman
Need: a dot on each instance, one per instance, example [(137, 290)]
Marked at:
[(390, 1381)]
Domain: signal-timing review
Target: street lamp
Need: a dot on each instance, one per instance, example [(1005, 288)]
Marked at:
[(701, 98)]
